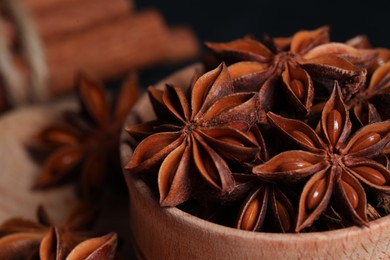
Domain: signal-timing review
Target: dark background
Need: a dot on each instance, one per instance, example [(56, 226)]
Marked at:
[(227, 20)]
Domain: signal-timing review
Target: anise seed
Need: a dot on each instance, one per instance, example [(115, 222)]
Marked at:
[(283, 216), (303, 138), (351, 194), (250, 216), (315, 194), (298, 88), (293, 165), (334, 124), (365, 141), (370, 174)]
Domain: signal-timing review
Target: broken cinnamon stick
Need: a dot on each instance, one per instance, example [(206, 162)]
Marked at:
[(112, 49)]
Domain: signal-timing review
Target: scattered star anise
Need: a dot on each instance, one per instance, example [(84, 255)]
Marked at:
[(335, 165), (84, 145), (310, 57), (54, 246), (25, 239), (194, 135)]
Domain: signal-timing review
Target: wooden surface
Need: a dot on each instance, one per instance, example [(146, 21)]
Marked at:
[(18, 172), (169, 233)]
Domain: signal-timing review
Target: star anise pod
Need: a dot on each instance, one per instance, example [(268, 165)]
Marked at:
[(362, 42), (84, 145), (265, 202), (330, 164), (310, 57), (26, 239), (195, 134), (265, 206), (370, 103), (54, 245)]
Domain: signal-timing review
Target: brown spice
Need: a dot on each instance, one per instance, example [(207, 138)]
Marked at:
[(202, 130), (84, 144), (336, 165)]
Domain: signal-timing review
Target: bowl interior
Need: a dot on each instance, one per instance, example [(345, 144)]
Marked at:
[(349, 238)]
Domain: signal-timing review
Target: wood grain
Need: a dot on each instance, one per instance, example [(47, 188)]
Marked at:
[(169, 233)]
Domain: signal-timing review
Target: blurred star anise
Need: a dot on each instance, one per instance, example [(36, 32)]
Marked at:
[(25, 239), (337, 166), (84, 145), (309, 58), (194, 134)]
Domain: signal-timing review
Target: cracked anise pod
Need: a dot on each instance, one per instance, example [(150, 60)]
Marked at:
[(331, 164), (84, 145), (310, 57), (26, 239), (362, 42), (195, 134), (371, 103), (265, 202)]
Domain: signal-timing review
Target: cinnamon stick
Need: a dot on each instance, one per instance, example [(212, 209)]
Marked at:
[(76, 16), (182, 45), (70, 17), (113, 49), (42, 5)]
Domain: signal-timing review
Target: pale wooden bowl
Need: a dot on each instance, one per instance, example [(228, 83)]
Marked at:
[(169, 233)]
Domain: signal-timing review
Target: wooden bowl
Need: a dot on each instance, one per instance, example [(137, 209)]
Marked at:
[(169, 233)]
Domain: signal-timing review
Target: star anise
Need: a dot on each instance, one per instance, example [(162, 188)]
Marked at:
[(330, 164), (84, 144), (370, 103), (362, 42), (54, 245), (194, 135), (26, 239), (265, 205), (310, 57), (265, 202)]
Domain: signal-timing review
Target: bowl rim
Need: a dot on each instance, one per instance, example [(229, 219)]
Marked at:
[(196, 222)]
